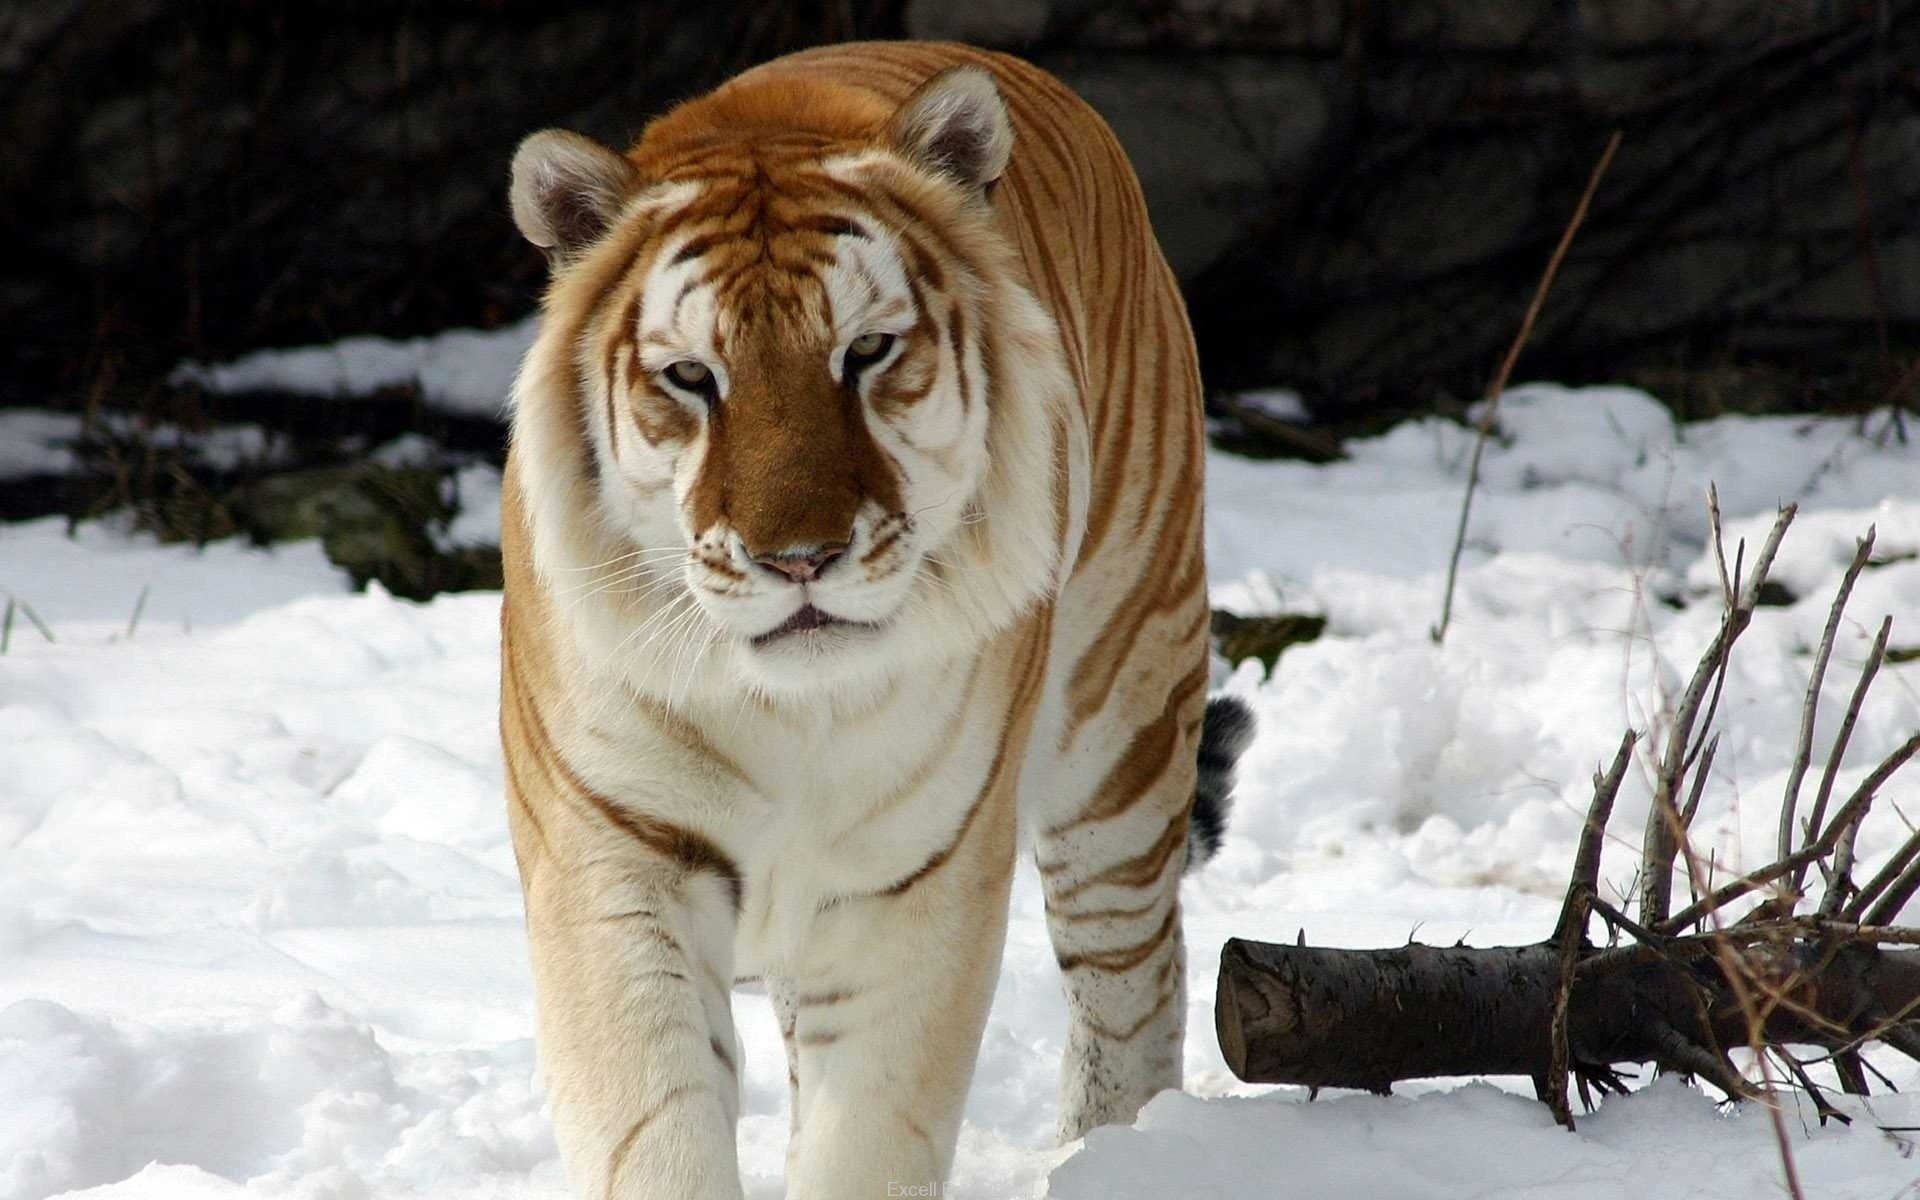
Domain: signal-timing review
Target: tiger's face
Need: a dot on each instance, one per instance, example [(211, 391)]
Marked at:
[(786, 372), (803, 414)]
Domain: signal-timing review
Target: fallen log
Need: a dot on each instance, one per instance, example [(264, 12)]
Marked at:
[(1735, 967), (1321, 1017)]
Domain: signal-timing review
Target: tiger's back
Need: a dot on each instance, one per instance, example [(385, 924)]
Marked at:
[(1006, 424)]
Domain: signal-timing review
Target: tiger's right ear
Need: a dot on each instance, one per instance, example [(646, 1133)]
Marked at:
[(956, 125), (567, 190)]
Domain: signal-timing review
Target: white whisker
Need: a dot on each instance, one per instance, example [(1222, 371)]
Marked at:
[(671, 629), (671, 607), (614, 580), (659, 551)]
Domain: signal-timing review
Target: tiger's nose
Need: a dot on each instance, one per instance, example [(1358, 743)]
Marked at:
[(803, 566)]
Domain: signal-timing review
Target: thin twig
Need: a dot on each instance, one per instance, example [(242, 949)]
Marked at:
[(1851, 931), (1820, 1104), (1851, 811), (1803, 749), (1700, 779), (1719, 542), (1903, 860), (1620, 920), (1570, 933), (1841, 876), (1492, 407), (1888, 906), (1663, 836), (1683, 1055)]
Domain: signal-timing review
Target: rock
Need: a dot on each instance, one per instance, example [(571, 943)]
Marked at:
[(1211, 140), (1013, 24), (1263, 638), (375, 522)]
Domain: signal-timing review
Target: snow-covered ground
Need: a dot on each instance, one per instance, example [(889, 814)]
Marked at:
[(461, 370), (260, 933)]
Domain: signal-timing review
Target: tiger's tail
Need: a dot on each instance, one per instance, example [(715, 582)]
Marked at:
[(1225, 731)]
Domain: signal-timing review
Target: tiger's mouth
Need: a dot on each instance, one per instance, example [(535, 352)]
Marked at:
[(806, 620)]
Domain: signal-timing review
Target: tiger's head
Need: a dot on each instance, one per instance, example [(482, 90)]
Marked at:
[(792, 418)]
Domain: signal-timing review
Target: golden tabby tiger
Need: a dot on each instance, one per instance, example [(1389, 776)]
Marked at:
[(852, 520)]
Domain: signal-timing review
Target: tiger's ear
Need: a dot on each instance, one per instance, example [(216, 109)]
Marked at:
[(567, 189), (956, 124)]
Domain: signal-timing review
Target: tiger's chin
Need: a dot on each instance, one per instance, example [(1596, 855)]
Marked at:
[(838, 657), (814, 628), (815, 651)]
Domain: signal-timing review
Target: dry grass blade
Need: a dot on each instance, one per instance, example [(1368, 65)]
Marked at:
[(1439, 630), (139, 607), (33, 618)]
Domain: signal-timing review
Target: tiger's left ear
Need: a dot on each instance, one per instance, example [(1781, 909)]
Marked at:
[(956, 124)]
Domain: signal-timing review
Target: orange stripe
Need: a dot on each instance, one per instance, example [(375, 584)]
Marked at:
[(1115, 962)]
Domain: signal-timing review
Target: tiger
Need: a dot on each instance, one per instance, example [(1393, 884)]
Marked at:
[(851, 531)]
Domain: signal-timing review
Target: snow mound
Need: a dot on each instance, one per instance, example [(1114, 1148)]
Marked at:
[(306, 1094), (261, 935), (94, 576), (463, 370), (1477, 1142)]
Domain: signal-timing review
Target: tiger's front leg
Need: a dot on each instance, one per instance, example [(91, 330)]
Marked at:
[(630, 960), (886, 1021)]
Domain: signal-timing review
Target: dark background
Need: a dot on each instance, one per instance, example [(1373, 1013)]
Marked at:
[(1358, 196)]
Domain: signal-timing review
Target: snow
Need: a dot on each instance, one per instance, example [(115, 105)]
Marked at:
[(96, 575), (462, 370), (1473, 1142), (260, 933), (476, 495), (38, 441)]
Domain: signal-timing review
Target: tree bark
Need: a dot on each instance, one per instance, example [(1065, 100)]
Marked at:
[(1323, 1017)]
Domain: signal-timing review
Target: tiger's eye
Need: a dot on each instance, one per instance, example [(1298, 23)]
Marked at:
[(864, 351), (694, 376)]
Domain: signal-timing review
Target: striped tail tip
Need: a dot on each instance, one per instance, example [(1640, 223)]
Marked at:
[(1225, 731)]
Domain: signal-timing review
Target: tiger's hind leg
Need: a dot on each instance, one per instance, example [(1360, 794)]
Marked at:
[(1111, 876)]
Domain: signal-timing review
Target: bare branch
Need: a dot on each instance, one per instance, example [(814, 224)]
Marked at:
[(1852, 931), (1586, 856), (1905, 1040), (1851, 811), (1803, 750), (1699, 780), (1679, 1054), (1820, 1105), (1569, 934), (1890, 875), (1840, 880), (1719, 543), (1661, 842), (1888, 906)]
